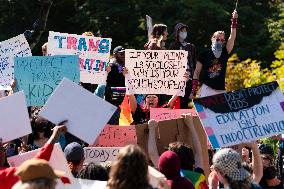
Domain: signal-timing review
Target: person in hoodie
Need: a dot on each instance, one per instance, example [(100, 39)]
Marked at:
[(169, 165), (180, 43), (213, 62)]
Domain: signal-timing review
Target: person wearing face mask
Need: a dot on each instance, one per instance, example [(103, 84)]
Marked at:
[(180, 43), (213, 63)]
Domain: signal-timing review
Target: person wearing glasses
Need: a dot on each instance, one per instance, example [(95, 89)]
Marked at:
[(213, 63)]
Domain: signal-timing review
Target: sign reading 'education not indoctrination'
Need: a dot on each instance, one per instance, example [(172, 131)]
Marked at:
[(242, 116)]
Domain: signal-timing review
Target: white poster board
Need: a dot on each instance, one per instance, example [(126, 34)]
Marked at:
[(242, 116), (82, 184), (86, 113), (156, 71), (94, 53), (100, 154), (57, 160), (14, 117), (14, 47)]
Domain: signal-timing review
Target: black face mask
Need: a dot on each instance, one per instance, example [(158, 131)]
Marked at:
[(269, 172)]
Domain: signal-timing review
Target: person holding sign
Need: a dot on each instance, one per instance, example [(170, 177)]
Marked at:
[(158, 37), (141, 114), (7, 177), (213, 63)]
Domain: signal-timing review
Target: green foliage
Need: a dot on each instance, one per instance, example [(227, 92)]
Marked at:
[(242, 74), (260, 21)]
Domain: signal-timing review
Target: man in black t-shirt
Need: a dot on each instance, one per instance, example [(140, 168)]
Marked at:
[(213, 63)]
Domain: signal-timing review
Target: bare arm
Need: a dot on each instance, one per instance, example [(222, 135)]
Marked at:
[(132, 102), (152, 146), (188, 120), (197, 70), (232, 37), (257, 165)]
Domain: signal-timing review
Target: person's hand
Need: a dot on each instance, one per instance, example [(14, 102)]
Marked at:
[(108, 69), (235, 14), (14, 84), (57, 130), (124, 71), (152, 123), (163, 184), (2, 153), (188, 119), (252, 145)]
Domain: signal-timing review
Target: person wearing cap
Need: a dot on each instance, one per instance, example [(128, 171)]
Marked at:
[(213, 63), (180, 43), (7, 177), (74, 154), (37, 173), (228, 165)]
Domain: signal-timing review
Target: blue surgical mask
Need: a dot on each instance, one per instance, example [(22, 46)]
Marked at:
[(182, 36), (217, 48)]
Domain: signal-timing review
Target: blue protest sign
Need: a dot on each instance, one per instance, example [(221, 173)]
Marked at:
[(38, 76)]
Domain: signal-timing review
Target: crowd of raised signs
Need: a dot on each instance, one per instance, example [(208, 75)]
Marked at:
[(78, 117)]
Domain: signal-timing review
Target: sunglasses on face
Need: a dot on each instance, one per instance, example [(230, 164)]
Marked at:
[(222, 40)]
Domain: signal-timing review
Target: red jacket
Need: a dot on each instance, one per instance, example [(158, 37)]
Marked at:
[(7, 177)]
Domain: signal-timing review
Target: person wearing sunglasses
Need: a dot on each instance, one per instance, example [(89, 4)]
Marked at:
[(213, 63)]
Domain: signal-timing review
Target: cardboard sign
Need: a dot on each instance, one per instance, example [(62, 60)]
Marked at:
[(156, 71), (38, 76), (94, 53), (116, 136), (242, 116), (161, 114), (171, 131), (14, 117), (14, 47), (100, 154), (86, 113), (57, 160)]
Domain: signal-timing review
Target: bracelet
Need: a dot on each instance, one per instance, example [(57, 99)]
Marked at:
[(234, 23)]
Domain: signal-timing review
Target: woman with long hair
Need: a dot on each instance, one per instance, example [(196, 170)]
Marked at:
[(130, 170)]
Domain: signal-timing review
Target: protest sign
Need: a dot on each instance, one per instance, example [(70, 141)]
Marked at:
[(57, 160), (155, 177), (171, 131), (149, 22), (77, 183), (156, 71), (242, 116), (116, 136), (38, 76), (86, 113), (161, 114), (14, 117), (94, 53), (14, 47), (100, 154)]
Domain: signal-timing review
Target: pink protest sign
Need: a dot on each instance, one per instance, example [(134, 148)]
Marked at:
[(116, 136), (161, 114)]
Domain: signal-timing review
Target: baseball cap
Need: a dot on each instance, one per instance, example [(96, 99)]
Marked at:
[(118, 49), (74, 152), (229, 162), (37, 168)]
